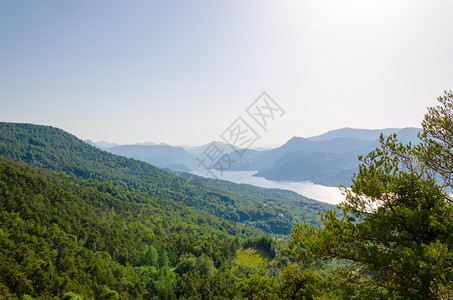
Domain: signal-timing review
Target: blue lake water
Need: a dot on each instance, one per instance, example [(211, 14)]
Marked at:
[(308, 189)]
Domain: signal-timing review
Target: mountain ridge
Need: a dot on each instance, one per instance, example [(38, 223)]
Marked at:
[(55, 149), (328, 168), (355, 133)]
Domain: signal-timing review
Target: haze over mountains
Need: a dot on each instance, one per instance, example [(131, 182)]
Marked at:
[(329, 162), (328, 159), (52, 148), (163, 156), (124, 229)]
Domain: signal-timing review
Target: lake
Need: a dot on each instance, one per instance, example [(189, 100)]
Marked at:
[(308, 189)]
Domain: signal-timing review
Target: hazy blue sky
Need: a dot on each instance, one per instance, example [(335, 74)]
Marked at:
[(181, 72)]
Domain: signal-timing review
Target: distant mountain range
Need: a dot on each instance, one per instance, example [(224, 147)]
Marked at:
[(174, 158), (329, 159), (163, 156), (101, 144), (353, 133)]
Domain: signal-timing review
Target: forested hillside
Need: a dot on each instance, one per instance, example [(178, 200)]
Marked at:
[(61, 234), (54, 149), (262, 193), (109, 227)]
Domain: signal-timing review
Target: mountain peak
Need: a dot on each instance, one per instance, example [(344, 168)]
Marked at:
[(295, 139)]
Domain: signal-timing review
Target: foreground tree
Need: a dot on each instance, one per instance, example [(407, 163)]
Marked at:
[(436, 151), (396, 223)]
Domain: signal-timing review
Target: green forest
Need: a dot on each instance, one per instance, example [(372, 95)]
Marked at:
[(80, 223), (52, 148)]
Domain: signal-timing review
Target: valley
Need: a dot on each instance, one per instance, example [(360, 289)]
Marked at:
[(327, 194), (329, 159)]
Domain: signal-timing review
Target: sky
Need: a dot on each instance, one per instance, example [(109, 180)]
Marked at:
[(181, 72)]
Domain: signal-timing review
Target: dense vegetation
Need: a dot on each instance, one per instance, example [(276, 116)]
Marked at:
[(54, 149), (261, 205), (107, 227), (112, 227), (61, 234)]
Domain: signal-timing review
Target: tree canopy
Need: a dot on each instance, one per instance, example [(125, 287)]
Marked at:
[(396, 226)]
